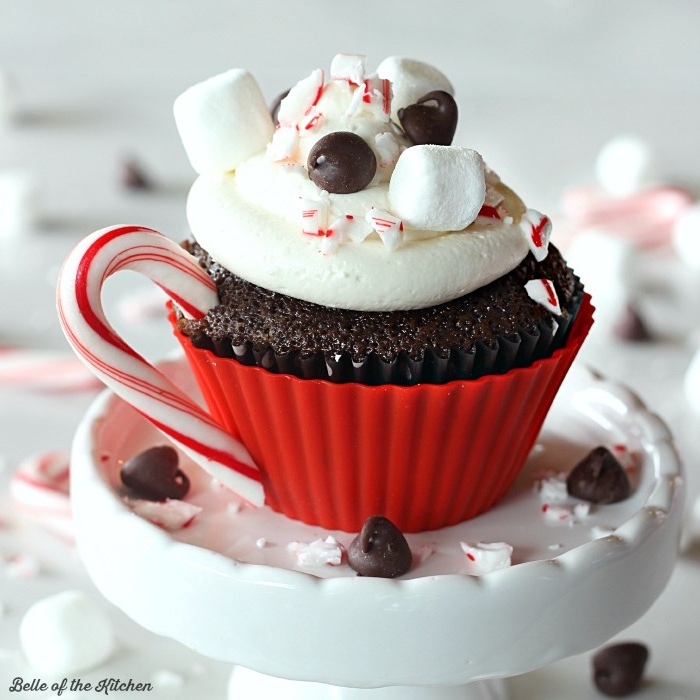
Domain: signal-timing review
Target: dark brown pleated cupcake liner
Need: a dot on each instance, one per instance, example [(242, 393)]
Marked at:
[(435, 367)]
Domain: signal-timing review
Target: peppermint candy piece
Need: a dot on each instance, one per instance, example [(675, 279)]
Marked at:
[(343, 229), (542, 291), (314, 213), (388, 226), (537, 229), (348, 66), (328, 552), (171, 514), (485, 557), (301, 99)]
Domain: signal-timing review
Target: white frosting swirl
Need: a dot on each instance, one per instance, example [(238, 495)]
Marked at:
[(264, 245), (250, 219)]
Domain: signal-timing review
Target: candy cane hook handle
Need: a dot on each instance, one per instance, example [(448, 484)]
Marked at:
[(123, 370)]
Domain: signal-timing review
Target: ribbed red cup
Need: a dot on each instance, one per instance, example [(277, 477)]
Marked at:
[(424, 456)]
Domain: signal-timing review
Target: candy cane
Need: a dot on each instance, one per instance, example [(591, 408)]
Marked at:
[(128, 374)]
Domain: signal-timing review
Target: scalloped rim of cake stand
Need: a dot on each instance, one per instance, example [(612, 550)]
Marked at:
[(367, 632)]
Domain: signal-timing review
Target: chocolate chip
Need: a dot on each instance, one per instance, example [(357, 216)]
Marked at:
[(154, 474), (133, 177), (380, 549), (432, 119), (341, 162), (275, 106), (618, 668), (599, 478), (631, 326)]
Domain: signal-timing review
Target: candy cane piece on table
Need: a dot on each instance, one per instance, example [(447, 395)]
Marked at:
[(39, 489), (44, 370), (123, 370)]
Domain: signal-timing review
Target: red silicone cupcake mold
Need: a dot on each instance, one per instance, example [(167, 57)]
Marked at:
[(424, 456)]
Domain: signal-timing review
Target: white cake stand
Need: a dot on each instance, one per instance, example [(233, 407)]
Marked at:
[(438, 634)]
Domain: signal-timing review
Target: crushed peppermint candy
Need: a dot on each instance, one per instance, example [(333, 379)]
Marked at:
[(328, 552), (388, 226), (485, 557), (552, 489), (542, 291), (171, 514), (537, 229)]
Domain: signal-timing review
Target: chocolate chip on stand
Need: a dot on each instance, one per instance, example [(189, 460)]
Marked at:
[(154, 474), (599, 478), (430, 120), (618, 668), (341, 162), (380, 549)]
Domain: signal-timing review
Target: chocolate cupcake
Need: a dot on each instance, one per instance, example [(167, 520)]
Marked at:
[(389, 309)]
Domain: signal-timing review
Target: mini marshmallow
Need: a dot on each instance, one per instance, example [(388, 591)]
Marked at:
[(438, 188), (686, 237), (410, 80), (624, 166), (65, 633), (19, 196), (223, 121)]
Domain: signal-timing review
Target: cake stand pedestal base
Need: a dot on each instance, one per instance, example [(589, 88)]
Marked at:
[(251, 685)]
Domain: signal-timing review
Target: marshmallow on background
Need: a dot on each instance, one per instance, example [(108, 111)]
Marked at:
[(438, 188), (625, 165), (18, 201), (410, 80), (223, 121), (66, 633), (685, 237)]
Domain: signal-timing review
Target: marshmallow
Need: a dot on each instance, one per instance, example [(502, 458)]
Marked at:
[(410, 80), (624, 166), (19, 197), (65, 633), (223, 121), (440, 188), (685, 236)]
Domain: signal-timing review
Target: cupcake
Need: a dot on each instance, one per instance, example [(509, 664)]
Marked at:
[(393, 322)]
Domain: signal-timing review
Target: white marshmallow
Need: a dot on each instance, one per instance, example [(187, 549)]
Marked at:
[(410, 80), (438, 188), (19, 201), (223, 121), (65, 633), (624, 166), (685, 236)]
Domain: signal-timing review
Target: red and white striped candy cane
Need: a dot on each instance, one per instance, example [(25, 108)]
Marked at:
[(128, 374)]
